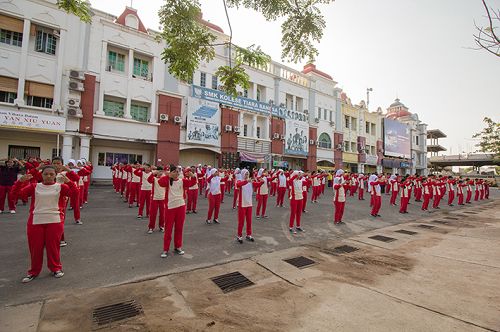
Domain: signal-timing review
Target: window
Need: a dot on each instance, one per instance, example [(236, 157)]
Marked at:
[(116, 61), (45, 42), (258, 94), (347, 146), (331, 116), (353, 147), (319, 113), (245, 93), (203, 79), (245, 130), (258, 132), (39, 101), (347, 122), (7, 97), (354, 124), (324, 113), (372, 150), (373, 132), (367, 149), (215, 82), (139, 112), (113, 108), (110, 158), (56, 152), (11, 37), (367, 127), (23, 152), (324, 141), (141, 67)]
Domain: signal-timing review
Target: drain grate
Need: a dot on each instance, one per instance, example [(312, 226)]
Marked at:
[(231, 281), (345, 249), (300, 262), (382, 238), (451, 218), (404, 231), (470, 212), (426, 226), (441, 222), (115, 312)]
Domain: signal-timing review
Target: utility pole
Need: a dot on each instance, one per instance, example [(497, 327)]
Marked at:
[(368, 90)]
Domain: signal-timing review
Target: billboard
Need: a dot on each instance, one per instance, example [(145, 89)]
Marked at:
[(203, 122), (32, 121), (397, 139), (296, 137)]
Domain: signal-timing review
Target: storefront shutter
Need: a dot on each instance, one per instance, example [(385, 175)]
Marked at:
[(11, 24), (39, 89), (8, 84)]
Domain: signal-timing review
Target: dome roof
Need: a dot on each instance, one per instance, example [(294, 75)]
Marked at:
[(397, 103)]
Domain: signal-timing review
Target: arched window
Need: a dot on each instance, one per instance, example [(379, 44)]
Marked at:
[(132, 21), (325, 141)]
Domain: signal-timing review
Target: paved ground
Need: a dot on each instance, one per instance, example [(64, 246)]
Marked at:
[(444, 278)]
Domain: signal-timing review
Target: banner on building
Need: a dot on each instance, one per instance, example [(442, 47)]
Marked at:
[(371, 160), (297, 138), (282, 164), (32, 121), (397, 139), (203, 122), (253, 157)]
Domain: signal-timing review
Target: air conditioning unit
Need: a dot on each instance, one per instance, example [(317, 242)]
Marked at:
[(74, 102), (332, 123), (75, 112), (282, 136), (311, 142), (228, 128), (76, 74), (163, 117), (316, 120), (236, 129), (177, 119), (56, 34), (339, 146), (276, 136), (77, 86)]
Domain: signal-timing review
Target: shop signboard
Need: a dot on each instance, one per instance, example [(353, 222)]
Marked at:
[(32, 121), (203, 122), (282, 164), (371, 160)]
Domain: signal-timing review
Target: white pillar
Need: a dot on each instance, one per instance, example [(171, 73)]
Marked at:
[(254, 126), (104, 64), (22, 66), (254, 90), (241, 123), (85, 147), (294, 102), (59, 71), (67, 147), (129, 88), (267, 132)]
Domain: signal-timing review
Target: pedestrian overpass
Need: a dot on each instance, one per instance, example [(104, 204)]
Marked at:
[(475, 160)]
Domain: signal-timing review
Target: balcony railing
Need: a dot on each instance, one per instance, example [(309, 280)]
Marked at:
[(254, 145)]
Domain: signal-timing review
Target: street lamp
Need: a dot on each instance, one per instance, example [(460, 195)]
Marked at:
[(368, 90)]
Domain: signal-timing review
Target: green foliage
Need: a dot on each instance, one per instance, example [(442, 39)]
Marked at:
[(490, 137), (188, 41), (80, 8), (252, 56), (232, 77)]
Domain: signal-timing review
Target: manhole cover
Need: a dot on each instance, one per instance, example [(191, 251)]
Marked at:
[(441, 222), (382, 238), (300, 262), (231, 281), (426, 226), (345, 249), (404, 231), (450, 218), (115, 312)]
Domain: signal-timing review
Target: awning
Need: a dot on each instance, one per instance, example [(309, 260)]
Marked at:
[(325, 168), (253, 157)]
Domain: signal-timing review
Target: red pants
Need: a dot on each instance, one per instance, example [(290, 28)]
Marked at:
[(437, 199), (315, 193), (261, 203), (481, 194), (123, 185), (460, 199), (295, 212), (377, 203), (304, 201), (144, 197), (281, 196), (201, 185), (6, 192), (451, 197), (213, 206), (155, 206), (394, 196), (222, 189), (244, 213), (372, 200), (323, 188), (273, 188), (86, 185), (134, 192), (82, 192), (229, 184), (418, 194), (176, 217), (361, 194), (404, 204), (46, 236), (469, 196), (425, 204), (192, 199), (236, 192), (75, 204), (339, 211), (352, 190)]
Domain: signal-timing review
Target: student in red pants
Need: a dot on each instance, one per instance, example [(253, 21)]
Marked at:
[(246, 187), (460, 192), (281, 188), (192, 195), (237, 177), (200, 175), (481, 190), (274, 183), (394, 188), (451, 190), (405, 195), (377, 194), (486, 189), (145, 189), (157, 201), (214, 196), (123, 180), (46, 218), (361, 187), (469, 183), (175, 204), (262, 193), (340, 187), (135, 186), (316, 182), (418, 189), (436, 193), (223, 180), (306, 183), (427, 192), (295, 196), (9, 168)]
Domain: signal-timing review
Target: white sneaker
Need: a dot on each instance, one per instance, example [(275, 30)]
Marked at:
[(79, 222), (1, 211), (164, 254), (12, 211), (162, 229), (63, 244), (150, 231), (58, 274), (28, 278)]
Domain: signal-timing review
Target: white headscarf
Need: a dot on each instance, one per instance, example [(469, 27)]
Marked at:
[(360, 175), (339, 172), (212, 171), (72, 161), (237, 171), (259, 174), (244, 173), (393, 177)]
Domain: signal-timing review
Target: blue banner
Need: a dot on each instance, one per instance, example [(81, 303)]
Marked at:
[(245, 103)]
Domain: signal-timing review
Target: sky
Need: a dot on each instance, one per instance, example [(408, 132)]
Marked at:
[(416, 50)]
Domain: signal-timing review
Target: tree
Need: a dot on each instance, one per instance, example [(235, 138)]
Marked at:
[(486, 37), (490, 137), (80, 8)]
